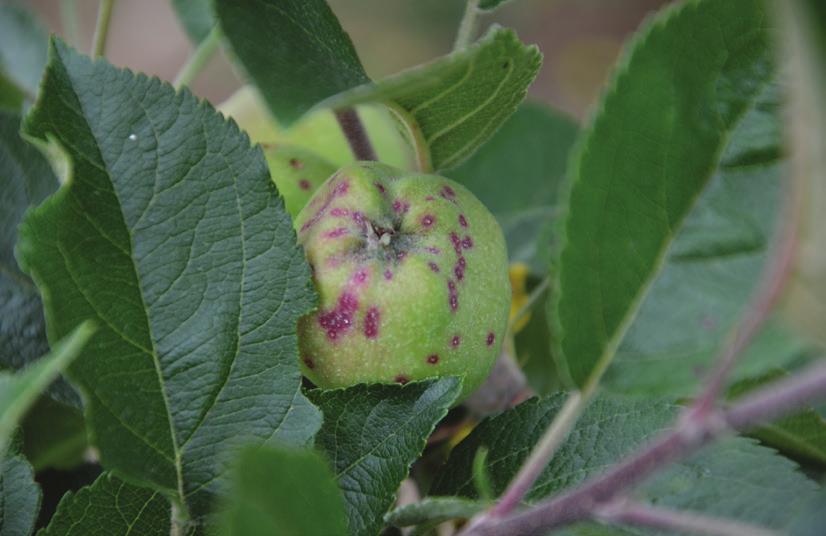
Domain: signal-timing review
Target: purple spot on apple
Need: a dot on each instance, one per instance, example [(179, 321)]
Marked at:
[(455, 341), (428, 220), (433, 267), (336, 233), (490, 339), (401, 379), (340, 318), (371, 323), (433, 359), (295, 163), (467, 242), (462, 220)]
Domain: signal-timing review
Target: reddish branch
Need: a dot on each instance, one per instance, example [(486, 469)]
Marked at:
[(356, 135), (583, 502)]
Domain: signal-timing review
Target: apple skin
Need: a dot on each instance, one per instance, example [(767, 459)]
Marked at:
[(297, 173), (319, 131), (412, 275)]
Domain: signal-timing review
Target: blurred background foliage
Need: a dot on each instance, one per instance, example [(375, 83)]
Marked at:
[(580, 39)]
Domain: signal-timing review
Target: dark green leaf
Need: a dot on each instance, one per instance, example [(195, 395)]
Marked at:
[(26, 179), (457, 102), (19, 496), (517, 174), (490, 5), (110, 507), (294, 51), (802, 435), (372, 433), (171, 235), (676, 122), (433, 509), (18, 392), (734, 478), (196, 17), (23, 44), (54, 435), (283, 491)]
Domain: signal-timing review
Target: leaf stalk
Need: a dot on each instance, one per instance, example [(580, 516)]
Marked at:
[(102, 27)]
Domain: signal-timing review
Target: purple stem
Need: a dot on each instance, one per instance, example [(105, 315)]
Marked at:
[(582, 502), (355, 133), (624, 512)]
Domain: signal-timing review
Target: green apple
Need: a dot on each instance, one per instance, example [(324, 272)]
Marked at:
[(412, 274), (319, 131), (297, 173)]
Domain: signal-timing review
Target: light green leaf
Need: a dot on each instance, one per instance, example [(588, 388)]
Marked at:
[(676, 119), (372, 433), (517, 174), (172, 237), (454, 104), (734, 478), (196, 17), (19, 496), (802, 435), (18, 392), (110, 507), (283, 491), (434, 510), (26, 180), (812, 519), (293, 50), (23, 43)]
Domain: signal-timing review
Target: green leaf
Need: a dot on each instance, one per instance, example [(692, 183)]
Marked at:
[(433, 510), (18, 392), (676, 119), (812, 519), (456, 103), (196, 17), (293, 50), (283, 491), (802, 435), (517, 174), (19, 496), (733, 478), (54, 436), (110, 506), (23, 43), (491, 5), (171, 235), (26, 180), (372, 433)]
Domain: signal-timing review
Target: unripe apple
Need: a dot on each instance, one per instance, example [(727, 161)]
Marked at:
[(412, 274), (297, 173), (319, 131)]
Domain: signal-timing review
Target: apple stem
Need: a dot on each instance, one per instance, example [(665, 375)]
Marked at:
[(356, 135)]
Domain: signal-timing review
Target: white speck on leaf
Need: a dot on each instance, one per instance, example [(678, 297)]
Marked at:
[(132, 137)]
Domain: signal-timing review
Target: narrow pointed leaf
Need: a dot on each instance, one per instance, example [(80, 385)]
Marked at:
[(110, 506), (457, 102), (172, 237), (670, 116), (371, 434), (295, 51), (734, 478), (283, 491), (434, 510), (18, 392)]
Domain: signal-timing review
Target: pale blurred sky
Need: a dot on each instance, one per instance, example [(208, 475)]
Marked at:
[(580, 39)]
